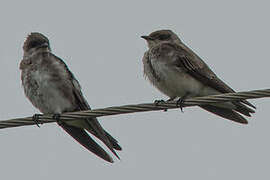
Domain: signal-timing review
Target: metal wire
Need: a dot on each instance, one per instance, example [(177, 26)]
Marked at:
[(137, 108)]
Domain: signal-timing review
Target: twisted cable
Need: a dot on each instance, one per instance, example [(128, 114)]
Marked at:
[(116, 110)]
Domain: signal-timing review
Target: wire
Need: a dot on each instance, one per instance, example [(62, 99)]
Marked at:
[(116, 110)]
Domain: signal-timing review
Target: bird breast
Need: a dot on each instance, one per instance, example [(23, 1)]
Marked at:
[(45, 93)]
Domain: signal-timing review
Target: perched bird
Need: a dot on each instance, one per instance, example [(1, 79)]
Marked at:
[(179, 73), (52, 88)]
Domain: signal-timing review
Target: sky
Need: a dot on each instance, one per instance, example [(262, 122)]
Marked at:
[(100, 42)]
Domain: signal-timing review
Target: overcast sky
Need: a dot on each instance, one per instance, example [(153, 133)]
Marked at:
[(100, 42)]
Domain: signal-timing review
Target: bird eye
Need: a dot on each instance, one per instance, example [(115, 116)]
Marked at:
[(34, 44), (164, 37)]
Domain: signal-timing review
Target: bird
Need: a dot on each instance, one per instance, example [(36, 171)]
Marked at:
[(53, 89), (176, 71)]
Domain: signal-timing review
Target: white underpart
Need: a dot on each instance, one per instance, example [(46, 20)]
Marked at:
[(55, 101)]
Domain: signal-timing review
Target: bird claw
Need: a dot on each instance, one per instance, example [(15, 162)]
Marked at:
[(157, 102), (35, 118), (180, 103), (57, 118)]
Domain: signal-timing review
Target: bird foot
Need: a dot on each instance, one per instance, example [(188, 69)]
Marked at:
[(35, 118), (157, 102), (180, 103), (57, 118)]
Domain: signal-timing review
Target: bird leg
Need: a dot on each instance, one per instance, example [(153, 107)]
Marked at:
[(57, 118), (180, 101), (35, 118)]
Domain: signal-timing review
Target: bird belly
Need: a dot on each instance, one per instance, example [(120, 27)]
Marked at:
[(178, 84), (47, 95), (54, 100)]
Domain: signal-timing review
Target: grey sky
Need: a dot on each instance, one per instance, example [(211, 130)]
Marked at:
[(101, 44)]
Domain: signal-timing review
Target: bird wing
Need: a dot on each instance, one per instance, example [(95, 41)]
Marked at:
[(187, 60), (93, 125), (197, 68)]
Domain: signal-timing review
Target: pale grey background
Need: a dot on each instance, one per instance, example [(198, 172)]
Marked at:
[(100, 41)]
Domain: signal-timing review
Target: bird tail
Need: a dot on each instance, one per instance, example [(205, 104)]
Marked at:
[(96, 129), (225, 113), (85, 140), (113, 141), (243, 109), (248, 103)]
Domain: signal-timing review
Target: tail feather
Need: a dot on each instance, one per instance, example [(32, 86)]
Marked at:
[(241, 108), (225, 113), (85, 140), (114, 142), (248, 103), (100, 133)]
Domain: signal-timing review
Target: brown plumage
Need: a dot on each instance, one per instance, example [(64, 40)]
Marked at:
[(52, 88), (177, 71)]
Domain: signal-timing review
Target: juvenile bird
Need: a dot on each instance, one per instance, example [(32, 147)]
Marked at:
[(179, 73), (52, 88)]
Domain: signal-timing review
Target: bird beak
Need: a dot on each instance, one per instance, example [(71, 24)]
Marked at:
[(147, 38)]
